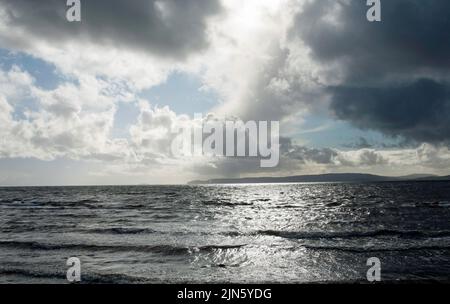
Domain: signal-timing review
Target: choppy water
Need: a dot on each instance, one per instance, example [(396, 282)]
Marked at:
[(226, 233)]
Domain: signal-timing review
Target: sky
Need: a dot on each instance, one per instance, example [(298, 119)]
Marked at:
[(94, 102)]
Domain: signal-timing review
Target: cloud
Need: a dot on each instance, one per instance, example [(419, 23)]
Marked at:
[(173, 28), (263, 75), (362, 158), (412, 37), (296, 158), (417, 111), (73, 120), (136, 43), (304, 154), (68, 122), (390, 76), (434, 156), (237, 48), (266, 60), (153, 133)]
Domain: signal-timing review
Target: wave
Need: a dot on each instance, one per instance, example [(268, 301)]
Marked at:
[(11, 200), (86, 278), (27, 228), (354, 234), (262, 200), (159, 249), (375, 249), (118, 230), (57, 203), (227, 203)]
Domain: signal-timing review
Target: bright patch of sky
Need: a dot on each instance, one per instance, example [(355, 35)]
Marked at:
[(183, 93), (126, 115), (44, 73)]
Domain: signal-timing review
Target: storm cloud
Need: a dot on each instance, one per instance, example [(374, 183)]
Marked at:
[(173, 28), (392, 75), (419, 110)]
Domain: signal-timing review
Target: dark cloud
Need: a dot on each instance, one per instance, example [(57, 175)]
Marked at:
[(412, 37), (395, 72), (419, 110), (168, 28)]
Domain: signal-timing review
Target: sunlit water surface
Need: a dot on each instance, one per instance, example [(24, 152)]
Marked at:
[(293, 233)]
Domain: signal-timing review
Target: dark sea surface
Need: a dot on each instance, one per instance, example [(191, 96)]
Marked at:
[(290, 233)]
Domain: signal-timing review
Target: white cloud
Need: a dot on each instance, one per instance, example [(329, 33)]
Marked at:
[(73, 120), (361, 158), (152, 135)]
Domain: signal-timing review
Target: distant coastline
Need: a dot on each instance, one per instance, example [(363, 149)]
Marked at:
[(321, 178)]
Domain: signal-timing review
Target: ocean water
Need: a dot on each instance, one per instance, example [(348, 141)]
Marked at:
[(288, 233)]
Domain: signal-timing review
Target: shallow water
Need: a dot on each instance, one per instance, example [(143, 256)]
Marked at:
[(292, 233)]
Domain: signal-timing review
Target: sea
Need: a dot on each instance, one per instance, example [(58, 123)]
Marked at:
[(259, 233)]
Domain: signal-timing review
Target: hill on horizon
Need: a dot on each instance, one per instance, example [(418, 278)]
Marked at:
[(321, 178)]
